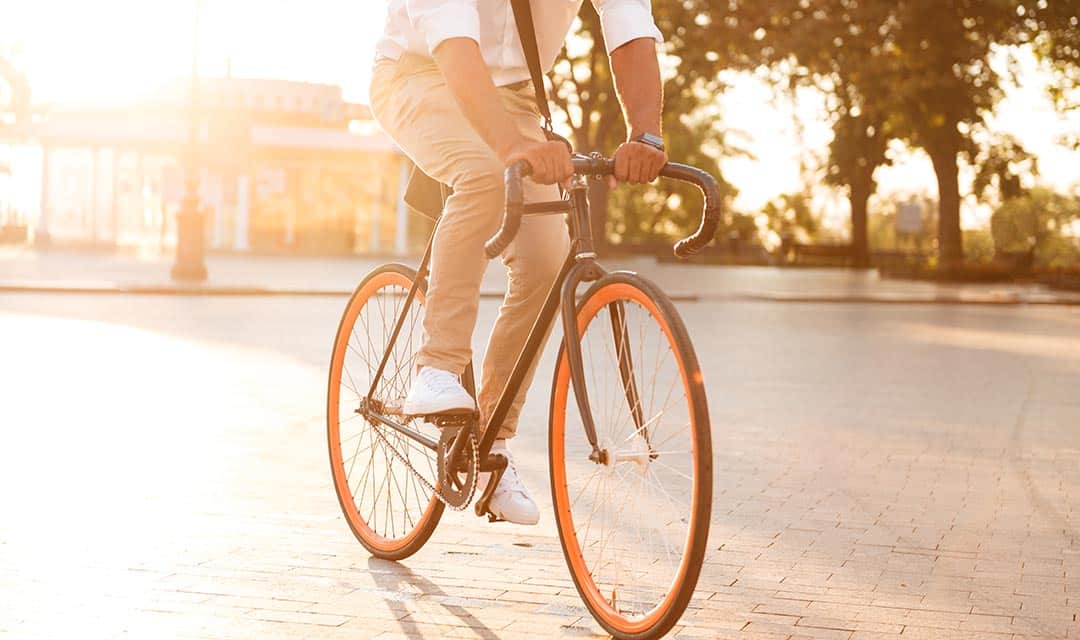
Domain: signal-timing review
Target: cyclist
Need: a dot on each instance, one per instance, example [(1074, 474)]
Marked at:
[(452, 87)]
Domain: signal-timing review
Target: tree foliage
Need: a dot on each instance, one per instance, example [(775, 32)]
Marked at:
[(917, 70), (1038, 223), (1001, 166)]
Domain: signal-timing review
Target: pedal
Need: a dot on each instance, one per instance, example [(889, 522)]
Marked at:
[(498, 464)]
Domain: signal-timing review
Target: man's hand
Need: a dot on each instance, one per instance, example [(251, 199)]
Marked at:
[(637, 82), (550, 160), (638, 163)]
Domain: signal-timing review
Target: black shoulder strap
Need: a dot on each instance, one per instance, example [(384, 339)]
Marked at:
[(527, 34)]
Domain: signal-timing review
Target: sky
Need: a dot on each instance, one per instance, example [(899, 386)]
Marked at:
[(108, 50)]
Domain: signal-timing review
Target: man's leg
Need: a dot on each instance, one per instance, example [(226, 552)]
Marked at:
[(411, 101), (533, 260)]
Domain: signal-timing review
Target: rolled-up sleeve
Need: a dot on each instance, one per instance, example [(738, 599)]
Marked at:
[(440, 20), (626, 20)]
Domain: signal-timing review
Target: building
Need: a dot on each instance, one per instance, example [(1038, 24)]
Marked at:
[(286, 167)]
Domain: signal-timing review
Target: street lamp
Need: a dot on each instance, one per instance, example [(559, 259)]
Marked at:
[(190, 264)]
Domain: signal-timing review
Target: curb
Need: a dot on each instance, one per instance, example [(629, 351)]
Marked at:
[(112, 288), (162, 290), (986, 300)]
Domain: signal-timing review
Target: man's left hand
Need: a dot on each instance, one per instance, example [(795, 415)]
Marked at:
[(638, 163)]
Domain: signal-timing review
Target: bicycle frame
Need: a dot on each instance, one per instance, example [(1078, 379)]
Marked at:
[(580, 266)]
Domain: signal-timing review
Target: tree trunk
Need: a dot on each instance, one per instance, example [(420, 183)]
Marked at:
[(860, 235), (950, 241)]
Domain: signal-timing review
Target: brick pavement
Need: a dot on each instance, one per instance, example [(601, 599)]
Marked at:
[(881, 473)]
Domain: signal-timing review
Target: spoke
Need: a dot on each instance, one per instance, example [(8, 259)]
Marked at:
[(672, 469), (355, 455), (595, 475), (672, 436), (352, 459), (680, 506), (351, 385), (633, 550)]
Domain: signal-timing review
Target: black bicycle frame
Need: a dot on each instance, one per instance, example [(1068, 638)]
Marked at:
[(580, 266)]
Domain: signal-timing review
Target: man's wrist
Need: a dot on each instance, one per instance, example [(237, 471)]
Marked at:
[(651, 139), (642, 124)]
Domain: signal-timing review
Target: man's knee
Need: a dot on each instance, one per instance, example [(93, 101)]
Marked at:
[(540, 253)]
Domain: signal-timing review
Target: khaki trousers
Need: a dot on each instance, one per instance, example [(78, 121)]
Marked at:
[(412, 103)]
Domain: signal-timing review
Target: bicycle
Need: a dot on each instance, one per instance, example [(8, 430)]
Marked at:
[(633, 544)]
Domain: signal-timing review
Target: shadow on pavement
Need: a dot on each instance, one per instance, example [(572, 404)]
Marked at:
[(400, 579)]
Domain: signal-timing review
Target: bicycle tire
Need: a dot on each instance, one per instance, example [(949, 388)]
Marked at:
[(415, 531), (628, 288)]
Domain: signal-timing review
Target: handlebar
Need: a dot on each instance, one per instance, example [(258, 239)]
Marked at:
[(599, 166)]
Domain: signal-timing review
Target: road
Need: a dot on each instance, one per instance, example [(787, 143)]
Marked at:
[(882, 471)]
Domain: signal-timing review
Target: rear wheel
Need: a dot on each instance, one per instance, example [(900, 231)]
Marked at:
[(389, 509), (633, 520)]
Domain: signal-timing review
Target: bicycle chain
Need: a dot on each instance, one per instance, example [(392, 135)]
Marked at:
[(474, 460)]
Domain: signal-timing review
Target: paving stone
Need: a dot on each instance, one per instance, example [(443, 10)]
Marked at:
[(901, 472)]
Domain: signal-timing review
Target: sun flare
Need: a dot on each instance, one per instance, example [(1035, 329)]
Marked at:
[(120, 50)]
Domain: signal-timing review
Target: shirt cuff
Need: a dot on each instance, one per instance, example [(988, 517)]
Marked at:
[(449, 21), (628, 21)]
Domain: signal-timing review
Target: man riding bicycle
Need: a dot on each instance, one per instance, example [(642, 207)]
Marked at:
[(452, 87)]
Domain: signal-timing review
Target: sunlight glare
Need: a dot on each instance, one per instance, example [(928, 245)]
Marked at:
[(120, 50)]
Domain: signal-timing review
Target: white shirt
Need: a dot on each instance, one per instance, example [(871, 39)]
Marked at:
[(419, 26)]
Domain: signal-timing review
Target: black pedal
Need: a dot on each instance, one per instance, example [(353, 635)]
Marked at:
[(497, 465)]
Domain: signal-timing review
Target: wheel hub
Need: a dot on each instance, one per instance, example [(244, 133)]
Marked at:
[(636, 452)]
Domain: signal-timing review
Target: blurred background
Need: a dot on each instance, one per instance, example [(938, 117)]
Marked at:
[(928, 139)]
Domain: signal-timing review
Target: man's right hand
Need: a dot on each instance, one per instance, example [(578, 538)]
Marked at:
[(550, 160), (469, 80)]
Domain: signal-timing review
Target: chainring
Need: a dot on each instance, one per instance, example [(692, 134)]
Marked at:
[(457, 489)]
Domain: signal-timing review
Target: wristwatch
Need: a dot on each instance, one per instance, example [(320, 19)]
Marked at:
[(654, 141)]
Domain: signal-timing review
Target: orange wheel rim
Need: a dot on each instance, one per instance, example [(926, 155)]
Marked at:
[(598, 601), (358, 524)]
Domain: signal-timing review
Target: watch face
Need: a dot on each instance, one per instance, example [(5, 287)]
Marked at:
[(652, 140)]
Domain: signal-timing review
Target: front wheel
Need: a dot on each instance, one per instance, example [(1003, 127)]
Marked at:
[(633, 516)]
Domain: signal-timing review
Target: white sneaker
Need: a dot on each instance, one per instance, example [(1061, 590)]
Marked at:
[(511, 500), (436, 391)]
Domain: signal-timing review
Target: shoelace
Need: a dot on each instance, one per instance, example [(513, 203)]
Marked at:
[(439, 381), (510, 480)]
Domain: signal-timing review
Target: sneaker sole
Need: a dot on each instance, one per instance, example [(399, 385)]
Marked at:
[(455, 412)]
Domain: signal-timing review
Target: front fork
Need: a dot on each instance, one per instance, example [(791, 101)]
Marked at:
[(586, 269)]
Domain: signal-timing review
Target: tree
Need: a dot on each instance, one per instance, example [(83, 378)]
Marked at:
[(828, 45), (914, 69), (942, 84)]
